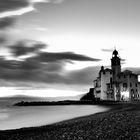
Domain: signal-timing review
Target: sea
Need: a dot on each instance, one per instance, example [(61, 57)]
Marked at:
[(14, 117)]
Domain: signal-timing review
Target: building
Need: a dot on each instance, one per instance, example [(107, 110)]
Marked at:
[(112, 84)]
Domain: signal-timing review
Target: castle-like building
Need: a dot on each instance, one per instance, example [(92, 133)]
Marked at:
[(112, 84)]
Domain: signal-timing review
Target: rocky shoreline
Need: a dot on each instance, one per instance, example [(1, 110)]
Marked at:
[(122, 122)]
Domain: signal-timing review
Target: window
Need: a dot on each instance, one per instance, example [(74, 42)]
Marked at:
[(136, 85), (111, 82), (132, 92), (130, 84), (124, 76), (96, 84), (125, 85), (136, 90), (98, 91), (130, 75)]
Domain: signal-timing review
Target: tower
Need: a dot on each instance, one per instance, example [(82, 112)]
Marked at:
[(115, 65), (116, 69)]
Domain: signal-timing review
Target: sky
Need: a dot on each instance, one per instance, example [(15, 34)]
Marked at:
[(55, 48)]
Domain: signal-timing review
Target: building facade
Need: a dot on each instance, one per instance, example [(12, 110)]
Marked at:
[(112, 84)]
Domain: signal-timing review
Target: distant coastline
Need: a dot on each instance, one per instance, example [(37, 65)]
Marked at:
[(65, 102)]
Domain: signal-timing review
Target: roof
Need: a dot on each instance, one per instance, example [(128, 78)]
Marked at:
[(115, 52), (107, 69), (127, 72)]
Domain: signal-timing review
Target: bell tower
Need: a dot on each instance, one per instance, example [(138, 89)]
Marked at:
[(115, 65)]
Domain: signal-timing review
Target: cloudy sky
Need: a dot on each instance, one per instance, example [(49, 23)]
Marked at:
[(56, 47)]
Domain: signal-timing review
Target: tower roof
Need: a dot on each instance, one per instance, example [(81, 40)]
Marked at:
[(115, 52)]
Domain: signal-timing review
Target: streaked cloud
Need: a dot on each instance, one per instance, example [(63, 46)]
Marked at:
[(107, 50), (2, 40), (9, 9), (43, 67), (14, 7), (10, 5), (123, 59), (25, 47), (6, 22), (59, 56), (19, 7), (49, 73), (38, 48), (17, 12)]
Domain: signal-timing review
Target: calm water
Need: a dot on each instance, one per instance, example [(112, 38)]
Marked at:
[(17, 117)]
